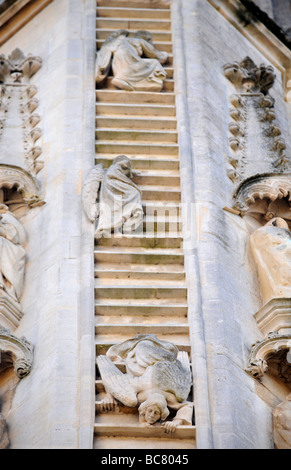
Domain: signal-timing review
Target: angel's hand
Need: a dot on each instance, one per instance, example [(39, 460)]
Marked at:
[(108, 403), (170, 426)]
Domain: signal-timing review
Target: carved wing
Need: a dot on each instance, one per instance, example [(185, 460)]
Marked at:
[(119, 385), (172, 377), (90, 191), (184, 359)]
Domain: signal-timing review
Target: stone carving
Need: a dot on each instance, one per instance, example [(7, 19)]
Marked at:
[(270, 187), (157, 379), (131, 71), (4, 441), (111, 197), (15, 177), (12, 254), (247, 77), (18, 68), (18, 120), (271, 248), (253, 123), (15, 351), (272, 350), (282, 424)]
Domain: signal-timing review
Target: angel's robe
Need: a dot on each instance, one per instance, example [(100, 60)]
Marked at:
[(142, 351), (120, 200), (12, 255), (138, 73), (130, 70)]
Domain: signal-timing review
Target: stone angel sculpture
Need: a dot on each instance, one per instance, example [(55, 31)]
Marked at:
[(131, 71), (157, 380), (112, 198)]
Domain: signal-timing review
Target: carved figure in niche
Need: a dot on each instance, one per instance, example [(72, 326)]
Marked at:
[(157, 379), (271, 248), (282, 424), (117, 203), (131, 71), (12, 254), (4, 441)]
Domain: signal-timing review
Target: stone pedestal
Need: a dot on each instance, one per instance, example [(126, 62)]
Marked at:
[(275, 316)]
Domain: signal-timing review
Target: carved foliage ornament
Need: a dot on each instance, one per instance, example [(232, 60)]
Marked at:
[(12, 176), (18, 118), (246, 76), (268, 186), (264, 352), (255, 141), (17, 67)]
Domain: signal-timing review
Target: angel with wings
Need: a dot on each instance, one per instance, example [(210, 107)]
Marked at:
[(112, 198), (157, 380), (135, 62)]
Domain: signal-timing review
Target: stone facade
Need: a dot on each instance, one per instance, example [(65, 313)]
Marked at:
[(205, 147)]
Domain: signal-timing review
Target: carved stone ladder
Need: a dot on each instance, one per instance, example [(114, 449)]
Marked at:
[(140, 279)]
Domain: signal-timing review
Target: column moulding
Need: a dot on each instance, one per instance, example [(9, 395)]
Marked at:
[(86, 321), (204, 437)]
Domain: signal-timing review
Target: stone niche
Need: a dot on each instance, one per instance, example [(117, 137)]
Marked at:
[(259, 169), (19, 192), (265, 203)]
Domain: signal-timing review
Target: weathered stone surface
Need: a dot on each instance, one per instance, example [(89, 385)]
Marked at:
[(4, 440), (111, 197), (282, 424), (130, 70), (155, 380)]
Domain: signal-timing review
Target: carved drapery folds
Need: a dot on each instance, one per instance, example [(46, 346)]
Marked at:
[(256, 142), (260, 170), (157, 379), (135, 62), (19, 131), (266, 199), (19, 191), (112, 199)]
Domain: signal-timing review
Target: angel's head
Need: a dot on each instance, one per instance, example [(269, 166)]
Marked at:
[(124, 164), (146, 35), (154, 409)]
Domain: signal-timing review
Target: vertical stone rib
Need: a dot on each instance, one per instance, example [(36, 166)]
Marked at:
[(140, 283)]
